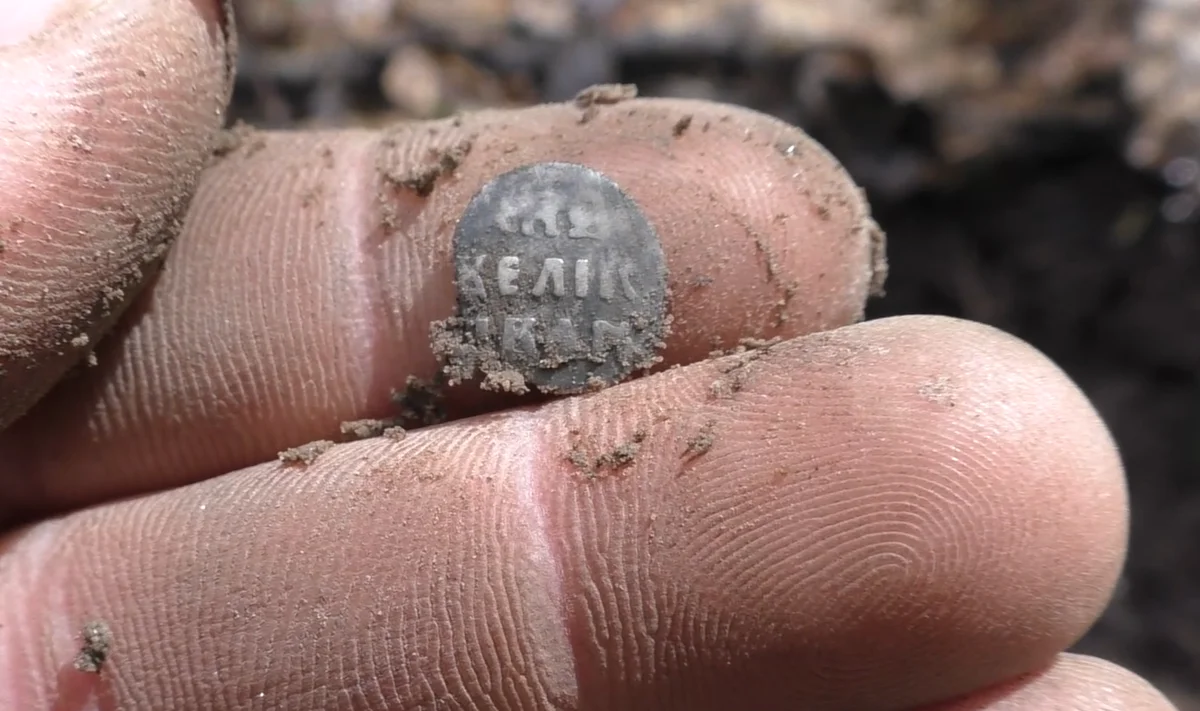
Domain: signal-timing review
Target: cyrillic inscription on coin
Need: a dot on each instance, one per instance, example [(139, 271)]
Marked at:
[(561, 284)]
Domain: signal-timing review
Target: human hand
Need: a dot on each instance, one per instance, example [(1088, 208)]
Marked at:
[(909, 513)]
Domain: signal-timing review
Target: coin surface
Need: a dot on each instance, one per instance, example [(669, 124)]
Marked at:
[(561, 284)]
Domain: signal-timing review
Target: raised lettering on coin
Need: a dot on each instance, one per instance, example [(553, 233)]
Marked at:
[(561, 284)]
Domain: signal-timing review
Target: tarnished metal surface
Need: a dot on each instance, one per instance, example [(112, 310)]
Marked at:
[(561, 283)]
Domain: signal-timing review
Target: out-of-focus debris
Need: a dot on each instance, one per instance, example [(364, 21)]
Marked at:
[(980, 71), (363, 22), (412, 82), (904, 91), (984, 72), (1163, 84)]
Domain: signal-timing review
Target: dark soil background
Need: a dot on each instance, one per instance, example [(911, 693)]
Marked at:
[(1013, 199)]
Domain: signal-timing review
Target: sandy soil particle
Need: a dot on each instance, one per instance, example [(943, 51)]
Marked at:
[(939, 390), (703, 441), (421, 179), (305, 454), (611, 461), (464, 357), (420, 403), (593, 97), (241, 137), (734, 368), (879, 260), (745, 345), (364, 429), (97, 640)]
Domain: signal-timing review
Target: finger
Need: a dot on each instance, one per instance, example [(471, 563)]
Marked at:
[(303, 289), (107, 114), (1073, 683), (881, 517)]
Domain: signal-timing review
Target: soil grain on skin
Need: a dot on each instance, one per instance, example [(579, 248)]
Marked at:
[(117, 171), (589, 99), (703, 441), (609, 462), (97, 638), (305, 454)]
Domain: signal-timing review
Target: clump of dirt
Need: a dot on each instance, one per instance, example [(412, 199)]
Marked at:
[(681, 126), (589, 99), (745, 345), (240, 137), (879, 259), (79, 143), (703, 441), (306, 454), (734, 368), (422, 178), (364, 429), (420, 403), (464, 357), (613, 460), (97, 640)]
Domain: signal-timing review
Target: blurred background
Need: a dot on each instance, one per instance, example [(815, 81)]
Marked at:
[(1035, 163)]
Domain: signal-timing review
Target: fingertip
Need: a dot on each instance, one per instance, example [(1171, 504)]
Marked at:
[(855, 508), (1072, 683), (107, 117)]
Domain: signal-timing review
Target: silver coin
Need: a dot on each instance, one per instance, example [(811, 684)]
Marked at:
[(561, 284)]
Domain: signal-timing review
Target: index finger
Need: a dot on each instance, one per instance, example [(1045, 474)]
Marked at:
[(311, 266)]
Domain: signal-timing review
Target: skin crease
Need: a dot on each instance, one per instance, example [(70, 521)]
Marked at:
[(909, 513)]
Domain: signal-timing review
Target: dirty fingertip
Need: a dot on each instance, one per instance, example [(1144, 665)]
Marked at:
[(107, 117)]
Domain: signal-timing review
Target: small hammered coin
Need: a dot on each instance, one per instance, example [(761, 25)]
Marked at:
[(561, 284)]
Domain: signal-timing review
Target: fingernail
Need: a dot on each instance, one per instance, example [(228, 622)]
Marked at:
[(23, 21)]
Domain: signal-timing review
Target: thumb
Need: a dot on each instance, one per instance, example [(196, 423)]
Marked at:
[(107, 114)]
